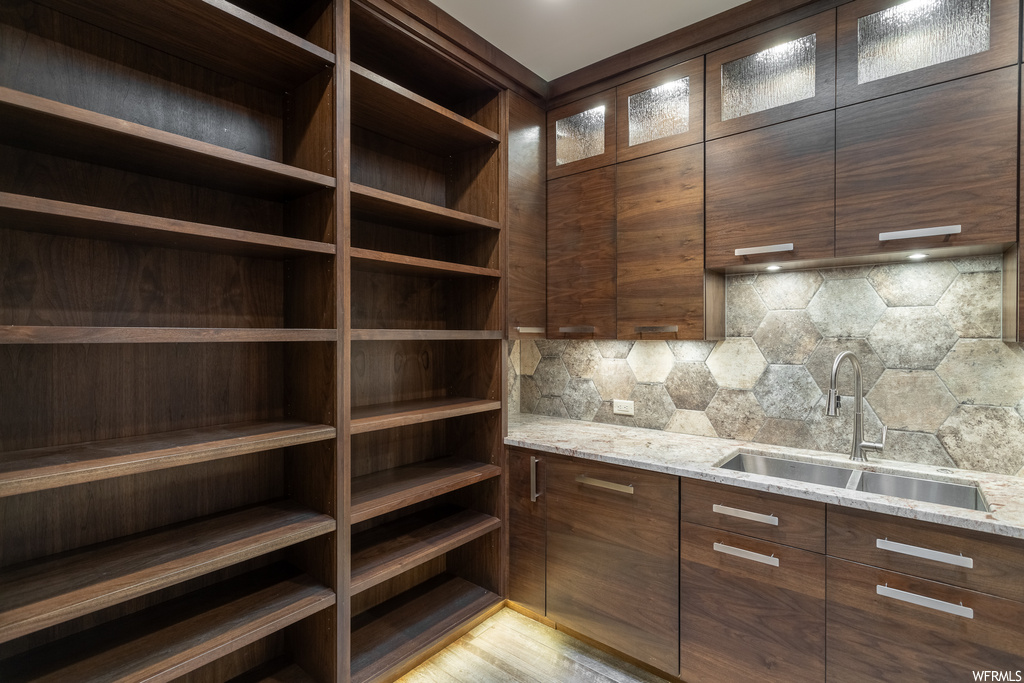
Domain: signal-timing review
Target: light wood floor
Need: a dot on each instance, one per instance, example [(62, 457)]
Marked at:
[(511, 647)]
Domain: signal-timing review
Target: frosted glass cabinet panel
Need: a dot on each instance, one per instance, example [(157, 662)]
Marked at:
[(581, 135), (774, 77), (662, 111), (887, 46)]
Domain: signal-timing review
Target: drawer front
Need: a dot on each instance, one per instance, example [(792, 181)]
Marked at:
[(750, 610), (979, 562), (884, 626), (790, 521), (613, 557)]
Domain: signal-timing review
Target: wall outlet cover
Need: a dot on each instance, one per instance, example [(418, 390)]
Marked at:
[(622, 407)]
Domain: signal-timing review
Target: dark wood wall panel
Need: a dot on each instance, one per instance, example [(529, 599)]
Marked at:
[(384, 164), (384, 300), (473, 181)]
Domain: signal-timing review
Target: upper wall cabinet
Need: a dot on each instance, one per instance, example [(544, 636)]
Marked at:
[(887, 47), (661, 111), (581, 135), (780, 75)]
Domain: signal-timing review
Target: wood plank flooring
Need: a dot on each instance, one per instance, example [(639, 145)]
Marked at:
[(510, 647)]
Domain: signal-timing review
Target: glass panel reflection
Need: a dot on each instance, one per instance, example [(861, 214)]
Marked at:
[(771, 78), (580, 136), (659, 112)]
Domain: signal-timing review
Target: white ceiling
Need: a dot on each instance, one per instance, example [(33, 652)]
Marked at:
[(555, 37)]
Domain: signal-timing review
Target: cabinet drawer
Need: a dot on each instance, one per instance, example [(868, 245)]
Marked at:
[(976, 561), (876, 631), (790, 521), (744, 618)]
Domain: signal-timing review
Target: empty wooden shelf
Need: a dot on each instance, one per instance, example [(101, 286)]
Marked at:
[(275, 672), (388, 415), (424, 335), (39, 594), (380, 206), (383, 262), (29, 334)]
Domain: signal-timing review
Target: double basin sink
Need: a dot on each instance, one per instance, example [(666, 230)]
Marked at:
[(915, 488)]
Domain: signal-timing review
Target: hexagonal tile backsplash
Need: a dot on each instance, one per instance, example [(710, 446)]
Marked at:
[(927, 335)]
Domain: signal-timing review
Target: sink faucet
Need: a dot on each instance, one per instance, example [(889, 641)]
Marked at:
[(832, 407)]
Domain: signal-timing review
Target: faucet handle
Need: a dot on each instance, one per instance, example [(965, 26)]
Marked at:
[(877, 447)]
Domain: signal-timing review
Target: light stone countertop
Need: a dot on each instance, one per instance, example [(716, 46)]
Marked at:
[(697, 456)]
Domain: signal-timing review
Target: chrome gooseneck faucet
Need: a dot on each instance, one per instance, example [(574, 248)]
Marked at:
[(832, 407)]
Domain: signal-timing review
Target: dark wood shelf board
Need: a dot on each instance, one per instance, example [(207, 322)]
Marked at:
[(21, 212), (400, 114), (44, 593), (379, 206), (199, 31), (390, 635), (382, 492), (55, 466), (165, 642), (63, 130), (27, 334), (386, 551), (277, 671), (384, 262), (402, 413), (424, 335)]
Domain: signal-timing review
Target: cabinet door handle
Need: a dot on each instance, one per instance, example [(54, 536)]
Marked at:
[(534, 493), (602, 484), (577, 329), (530, 330), (745, 514), (919, 232), (656, 328), (746, 554), (922, 601), (770, 249), (925, 553)]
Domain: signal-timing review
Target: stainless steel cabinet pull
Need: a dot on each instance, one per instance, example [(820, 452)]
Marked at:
[(924, 553), (533, 479), (745, 514), (922, 601), (656, 328), (919, 232), (530, 330), (770, 249), (746, 554), (600, 483), (577, 329)]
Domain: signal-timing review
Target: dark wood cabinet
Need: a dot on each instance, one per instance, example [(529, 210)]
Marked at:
[(527, 525), (613, 557), (581, 255), (651, 115), (771, 194), (938, 157), (587, 140)]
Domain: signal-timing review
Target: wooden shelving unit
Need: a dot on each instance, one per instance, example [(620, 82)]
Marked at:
[(372, 204), (398, 264), (380, 416), (21, 334)]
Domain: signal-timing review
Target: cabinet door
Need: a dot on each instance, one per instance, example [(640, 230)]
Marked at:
[(884, 626), (662, 111), (942, 158), (581, 255), (891, 46), (527, 516), (613, 557), (750, 610), (771, 194), (660, 245), (581, 135)]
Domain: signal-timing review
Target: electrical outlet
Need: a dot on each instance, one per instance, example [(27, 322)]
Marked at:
[(622, 407)]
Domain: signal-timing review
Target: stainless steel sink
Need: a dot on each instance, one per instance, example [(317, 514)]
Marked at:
[(794, 470)]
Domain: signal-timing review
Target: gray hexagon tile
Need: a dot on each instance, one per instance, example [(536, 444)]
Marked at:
[(606, 415), (614, 379), (551, 376), (914, 400), (744, 309), (845, 308), (651, 361), (614, 349), (691, 386), (652, 406), (787, 337), (820, 364), (736, 363), (691, 351), (693, 422), (973, 305), (529, 394), (912, 284), (581, 399), (787, 433), (551, 347), (786, 391), (514, 355), (735, 414), (581, 359), (912, 338), (529, 357), (916, 447), (983, 371), (790, 290), (551, 406), (742, 278), (835, 434), (513, 394), (979, 264), (986, 438), (845, 272)]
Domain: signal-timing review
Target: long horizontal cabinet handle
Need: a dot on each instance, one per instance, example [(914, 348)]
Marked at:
[(770, 249), (745, 514), (746, 554), (923, 601), (577, 329), (919, 232), (602, 484), (656, 328), (530, 330), (924, 553)]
